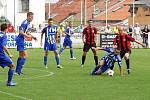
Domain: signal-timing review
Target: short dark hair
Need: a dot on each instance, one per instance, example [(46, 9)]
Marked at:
[(90, 21), (3, 27), (29, 13), (50, 19)]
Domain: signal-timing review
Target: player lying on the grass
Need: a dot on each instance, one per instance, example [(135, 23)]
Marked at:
[(107, 61), (5, 60)]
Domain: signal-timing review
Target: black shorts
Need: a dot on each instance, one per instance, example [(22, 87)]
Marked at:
[(88, 46), (122, 53)]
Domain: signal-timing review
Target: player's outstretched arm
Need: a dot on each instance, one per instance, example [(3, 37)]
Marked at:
[(121, 71), (97, 48), (41, 38), (140, 43)]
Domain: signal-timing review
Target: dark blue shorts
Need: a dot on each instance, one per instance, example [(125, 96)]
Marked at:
[(5, 61), (21, 48), (67, 42), (50, 47)]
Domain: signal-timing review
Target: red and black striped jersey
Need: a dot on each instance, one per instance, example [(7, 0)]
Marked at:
[(123, 42), (89, 33)]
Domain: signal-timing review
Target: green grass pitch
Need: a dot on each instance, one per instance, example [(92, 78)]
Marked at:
[(73, 82)]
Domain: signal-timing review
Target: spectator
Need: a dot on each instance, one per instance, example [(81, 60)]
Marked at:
[(108, 30), (145, 32), (10, 28), (137, 33), (116, 29)]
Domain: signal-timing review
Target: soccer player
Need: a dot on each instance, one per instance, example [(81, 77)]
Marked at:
[(107, 61), (5, 60), (50, 32), (24, 32), (122, 41), (67, 41), (88, 38)]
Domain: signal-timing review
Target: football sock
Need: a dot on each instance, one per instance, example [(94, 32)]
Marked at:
[(20, 63), (57, 59), (128, 64), (83, 59), (96, 60), (95, 69), (45, 60), (71, 52), (61, 50), (10, 75)]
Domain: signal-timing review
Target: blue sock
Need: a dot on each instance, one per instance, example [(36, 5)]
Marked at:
[(45, 60), (95, 69), (57, 60), (21, 63), (18, 65), (71, 52), (61, 50), (10, 75)]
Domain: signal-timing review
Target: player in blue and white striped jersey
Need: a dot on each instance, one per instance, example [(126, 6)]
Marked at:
[(24, 32), (67, 41), (50, 32), (113, 55)]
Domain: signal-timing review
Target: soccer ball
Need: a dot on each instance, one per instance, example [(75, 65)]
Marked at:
[(110, 72)]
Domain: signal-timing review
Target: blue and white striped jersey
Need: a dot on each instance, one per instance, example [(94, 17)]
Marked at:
[(69, 31), (110, 57), (50, 34)]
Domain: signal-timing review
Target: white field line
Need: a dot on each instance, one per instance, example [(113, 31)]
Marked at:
[(13, 95), (35, 77), (23, 98)]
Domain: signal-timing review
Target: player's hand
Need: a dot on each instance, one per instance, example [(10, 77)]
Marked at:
[(144, 45), (94, 48), (35, 38)]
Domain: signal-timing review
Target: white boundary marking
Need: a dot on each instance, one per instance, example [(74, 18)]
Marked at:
[(35, 77), (40, 76), (13, 95)]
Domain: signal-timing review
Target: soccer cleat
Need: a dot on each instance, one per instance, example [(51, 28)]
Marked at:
[(73, 58), (46, 66), (60, 67), (82, 65), (17, 73), (11, 84), (128, 71)]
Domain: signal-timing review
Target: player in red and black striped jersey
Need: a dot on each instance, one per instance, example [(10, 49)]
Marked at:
[(88, 37), (122, 41)]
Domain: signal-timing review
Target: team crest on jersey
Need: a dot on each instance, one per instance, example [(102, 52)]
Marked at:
[(52, 29)]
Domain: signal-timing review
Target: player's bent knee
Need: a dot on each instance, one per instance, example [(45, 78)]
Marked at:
[(11, 66)]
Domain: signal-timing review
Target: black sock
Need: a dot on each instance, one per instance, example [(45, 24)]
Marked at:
[(83, 59), (128, 64), (96, 60)]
